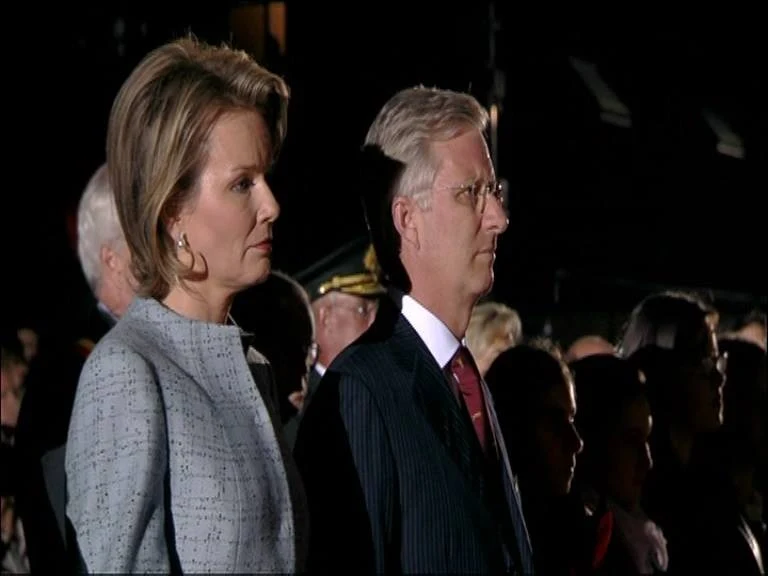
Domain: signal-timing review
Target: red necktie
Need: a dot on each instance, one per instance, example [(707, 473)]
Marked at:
[(468, 377)]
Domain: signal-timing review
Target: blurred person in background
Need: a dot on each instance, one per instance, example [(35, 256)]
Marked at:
[(614, 419), (45, 414), (278, 316), (588, 345), (344, 290), (533, 393), (493, 328), (671, 337)]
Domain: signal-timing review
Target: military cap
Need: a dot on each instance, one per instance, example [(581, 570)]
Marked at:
[(350, 269)]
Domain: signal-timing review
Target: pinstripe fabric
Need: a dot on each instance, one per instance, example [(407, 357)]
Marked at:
[(394, 474), (511, 491)]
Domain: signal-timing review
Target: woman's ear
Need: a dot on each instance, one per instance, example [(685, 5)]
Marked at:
[(173, 226)]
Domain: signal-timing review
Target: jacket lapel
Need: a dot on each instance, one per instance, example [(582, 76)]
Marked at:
[(511, 491), (434, 398)]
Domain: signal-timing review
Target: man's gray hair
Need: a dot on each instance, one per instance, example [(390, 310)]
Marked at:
[(412, 120), (97, 225)]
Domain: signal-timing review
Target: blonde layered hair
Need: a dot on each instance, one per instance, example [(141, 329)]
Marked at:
[(493, 328), (157, 141)]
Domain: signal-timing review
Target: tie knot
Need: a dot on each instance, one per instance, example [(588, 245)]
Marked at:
[(464, 370), (462, 358)]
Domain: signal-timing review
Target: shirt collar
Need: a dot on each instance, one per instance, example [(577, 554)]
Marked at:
[(439, 340)]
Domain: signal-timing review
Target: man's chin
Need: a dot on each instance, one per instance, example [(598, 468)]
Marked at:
[(485, 287)]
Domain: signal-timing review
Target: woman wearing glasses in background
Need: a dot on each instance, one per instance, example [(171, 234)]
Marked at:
[(671, 338)]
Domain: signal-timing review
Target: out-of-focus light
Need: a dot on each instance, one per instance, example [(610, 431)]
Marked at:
[(612, 109), (728, 142)]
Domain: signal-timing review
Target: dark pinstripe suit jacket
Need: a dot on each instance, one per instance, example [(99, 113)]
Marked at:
[(393, 472)]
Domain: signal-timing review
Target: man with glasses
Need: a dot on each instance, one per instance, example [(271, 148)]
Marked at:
[(344, 290), (403, 464)]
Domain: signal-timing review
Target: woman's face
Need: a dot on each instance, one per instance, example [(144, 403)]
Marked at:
[(628, 456), (703, 378), (228, 221), (557, 442)]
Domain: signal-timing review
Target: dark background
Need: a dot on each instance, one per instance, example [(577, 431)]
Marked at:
[(599, 215)]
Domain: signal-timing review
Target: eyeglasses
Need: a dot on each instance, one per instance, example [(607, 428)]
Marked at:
[(478, 192), (710, 364), (364, 308)]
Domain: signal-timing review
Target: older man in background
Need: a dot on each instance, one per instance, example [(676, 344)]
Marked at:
[(41, 432), (344, 290)]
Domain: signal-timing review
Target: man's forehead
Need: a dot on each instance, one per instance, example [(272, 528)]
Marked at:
[(338, 295)]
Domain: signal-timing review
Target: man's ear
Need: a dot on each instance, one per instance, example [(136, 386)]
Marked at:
[(109, 258), (322, 314), (405, 217)]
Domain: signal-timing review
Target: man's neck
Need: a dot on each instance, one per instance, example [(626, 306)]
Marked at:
[(109, 316), (108, 296), (452, 312)]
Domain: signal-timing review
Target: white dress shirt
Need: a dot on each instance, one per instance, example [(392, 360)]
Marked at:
[(440, 341)]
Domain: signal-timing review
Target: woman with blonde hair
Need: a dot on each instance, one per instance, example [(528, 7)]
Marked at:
[(174, 458), (493, 328)]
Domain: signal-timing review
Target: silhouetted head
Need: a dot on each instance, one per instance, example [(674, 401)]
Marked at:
[(614, 419), (536, 405)]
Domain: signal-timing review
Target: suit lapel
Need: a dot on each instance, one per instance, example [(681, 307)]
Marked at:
[(434, 398), (511, 491), (433, 395)]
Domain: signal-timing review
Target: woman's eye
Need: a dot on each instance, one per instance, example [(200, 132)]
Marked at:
[(243, 185)]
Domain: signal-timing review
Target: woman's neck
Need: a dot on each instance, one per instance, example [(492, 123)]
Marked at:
[(198, 306)]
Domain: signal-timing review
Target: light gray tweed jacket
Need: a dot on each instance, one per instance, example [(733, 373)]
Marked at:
[(236, 499)]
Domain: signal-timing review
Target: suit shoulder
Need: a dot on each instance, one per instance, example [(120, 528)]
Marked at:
[(364, 359), (371, 369), (119, 345), (119, 366)]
